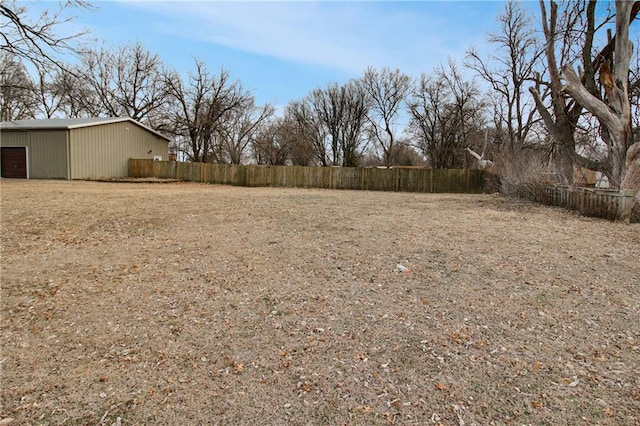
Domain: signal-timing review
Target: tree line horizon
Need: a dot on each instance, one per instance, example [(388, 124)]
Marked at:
[(562, 93)]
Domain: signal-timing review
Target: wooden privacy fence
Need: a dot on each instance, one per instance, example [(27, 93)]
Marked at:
[(608, 204), (393, 179)]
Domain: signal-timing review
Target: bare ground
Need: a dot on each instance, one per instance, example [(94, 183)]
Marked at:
[(197, 304)]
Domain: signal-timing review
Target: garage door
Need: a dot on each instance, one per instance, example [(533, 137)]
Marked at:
[(14, 162)]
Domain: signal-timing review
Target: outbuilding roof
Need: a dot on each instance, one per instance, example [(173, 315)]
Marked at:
[(69, 123)]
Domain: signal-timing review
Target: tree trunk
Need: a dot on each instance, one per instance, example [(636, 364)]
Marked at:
[(631, 179), (564, 154), (560, 126), (615, 114)]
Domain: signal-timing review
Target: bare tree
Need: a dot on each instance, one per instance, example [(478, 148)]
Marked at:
[(309, 135), (406, 155), (574, 27), (342, 111), (46, 100), (273, 142), (428, 121), (446, 114), (517, 58), (38, 40), (386, 91), (125, 82), (51, 97), (614, 111), (328, 108), (17, 101), (466, 102), (559, 120), (78, 100), (239, 130), (353, 122), (199, 107)]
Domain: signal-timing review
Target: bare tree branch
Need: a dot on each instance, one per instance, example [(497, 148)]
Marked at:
[(386, 91), (39, 41)]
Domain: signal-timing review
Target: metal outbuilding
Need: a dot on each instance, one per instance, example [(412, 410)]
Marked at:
[(76, 148)]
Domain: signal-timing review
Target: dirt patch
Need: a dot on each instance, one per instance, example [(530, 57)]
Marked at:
[(199, 304)]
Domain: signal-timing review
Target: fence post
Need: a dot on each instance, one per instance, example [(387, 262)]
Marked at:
[(627, 198)]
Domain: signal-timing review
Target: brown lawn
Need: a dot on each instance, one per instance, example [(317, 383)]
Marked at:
[(185, 303)]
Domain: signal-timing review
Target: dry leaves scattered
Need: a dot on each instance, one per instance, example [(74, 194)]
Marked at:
[(199, 304)]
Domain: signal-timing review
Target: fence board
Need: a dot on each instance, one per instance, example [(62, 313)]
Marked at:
[(606, 204), (373, 179)]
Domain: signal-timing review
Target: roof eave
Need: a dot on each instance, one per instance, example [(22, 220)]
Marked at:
[(97, 123), (88, 124), (120, 120)]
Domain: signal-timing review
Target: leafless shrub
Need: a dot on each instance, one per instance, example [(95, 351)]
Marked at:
[(523, 166)]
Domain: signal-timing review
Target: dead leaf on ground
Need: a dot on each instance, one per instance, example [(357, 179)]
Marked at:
[(536, 404), (360, 357)]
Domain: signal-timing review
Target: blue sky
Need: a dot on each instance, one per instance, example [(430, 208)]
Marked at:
[(283, 50)]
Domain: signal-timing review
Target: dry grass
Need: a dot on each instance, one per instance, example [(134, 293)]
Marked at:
[(198, 304)]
